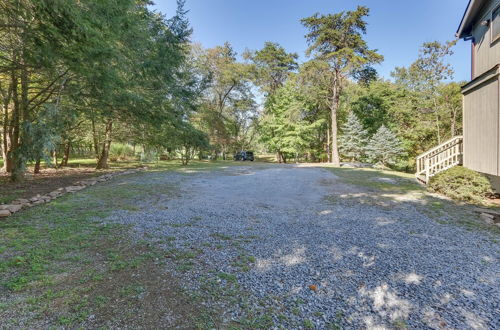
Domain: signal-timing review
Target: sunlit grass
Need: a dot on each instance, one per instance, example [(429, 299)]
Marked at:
[(158, 165), (369, 177)]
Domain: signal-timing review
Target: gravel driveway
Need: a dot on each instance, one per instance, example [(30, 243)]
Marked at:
[(297, 247)]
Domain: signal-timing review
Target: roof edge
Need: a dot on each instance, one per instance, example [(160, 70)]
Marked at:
[(462, 21), (474, 8)]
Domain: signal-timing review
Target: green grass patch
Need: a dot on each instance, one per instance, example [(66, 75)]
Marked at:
[(243, 262), (11, 195), (227, 277), (162, 165), (61, 262), (368, 178), (221, 236)]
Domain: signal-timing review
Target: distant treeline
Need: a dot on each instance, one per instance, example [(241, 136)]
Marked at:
[(78, 76)]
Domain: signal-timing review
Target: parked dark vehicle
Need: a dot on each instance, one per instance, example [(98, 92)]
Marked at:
[(244, 155)]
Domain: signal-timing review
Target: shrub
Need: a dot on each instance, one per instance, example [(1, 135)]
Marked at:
[(462, 184), (119, 151)]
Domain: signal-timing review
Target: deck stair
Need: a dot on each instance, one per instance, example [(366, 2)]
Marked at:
[(440, 158)]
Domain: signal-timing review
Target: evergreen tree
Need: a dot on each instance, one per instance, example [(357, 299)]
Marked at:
[(337, 41), (384, 147), (272, 66), (354, 138), (283, 128)]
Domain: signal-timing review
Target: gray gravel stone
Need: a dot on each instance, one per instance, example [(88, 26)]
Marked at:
[(374, 265)]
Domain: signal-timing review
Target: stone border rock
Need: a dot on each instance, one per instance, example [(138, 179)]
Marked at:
[(18, 204)]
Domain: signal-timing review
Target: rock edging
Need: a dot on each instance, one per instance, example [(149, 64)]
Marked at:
[(21, 203)]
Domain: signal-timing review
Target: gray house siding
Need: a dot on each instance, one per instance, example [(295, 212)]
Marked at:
[(481, 119), (486, 51), (481, 126)]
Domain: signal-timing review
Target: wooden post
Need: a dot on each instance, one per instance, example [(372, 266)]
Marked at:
[(427, 170)]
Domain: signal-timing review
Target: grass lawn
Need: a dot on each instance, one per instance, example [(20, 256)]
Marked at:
[(403, 188), (370, 178), (51, 179), (60, 265)]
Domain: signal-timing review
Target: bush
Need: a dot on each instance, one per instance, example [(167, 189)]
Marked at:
[(119, 151), (460, 183)]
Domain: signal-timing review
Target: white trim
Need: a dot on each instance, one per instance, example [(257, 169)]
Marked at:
[(496, 38), (458, 137)]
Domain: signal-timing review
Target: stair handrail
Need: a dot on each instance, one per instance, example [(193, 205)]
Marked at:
[(457, 137), (431, 162)]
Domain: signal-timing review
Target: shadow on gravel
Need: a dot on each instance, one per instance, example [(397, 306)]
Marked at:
[(384, 253)]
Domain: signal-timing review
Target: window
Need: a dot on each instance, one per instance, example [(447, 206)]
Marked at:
[(495, 24)]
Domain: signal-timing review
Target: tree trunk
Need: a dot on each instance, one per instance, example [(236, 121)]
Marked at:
[(453, 127), (5, 141), (95, 140), (13, 156), (37, 166), (54, 158), (328, 154), (6, 136), (438, 130), (185, 156), (279, 156), (102, 163), (67, 149), (335, 158)]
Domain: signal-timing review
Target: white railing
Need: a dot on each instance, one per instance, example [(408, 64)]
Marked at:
[(440, 158)]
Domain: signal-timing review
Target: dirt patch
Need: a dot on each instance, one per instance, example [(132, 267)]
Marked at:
[(134, 292), (46, 181), (113, 283)]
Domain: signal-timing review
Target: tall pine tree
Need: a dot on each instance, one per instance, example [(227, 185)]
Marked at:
[(337, 41)]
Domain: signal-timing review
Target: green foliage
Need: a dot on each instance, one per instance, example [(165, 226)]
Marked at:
[(191, 140), (91, 77), (284, 127), (354, 138), (226, 109), (429, 106), (41, 135), (429, 69), (336, 41), (460, 183), (120, 151), (384, 147), (373, 103), (272, 66), (327, 40), (101, 64)]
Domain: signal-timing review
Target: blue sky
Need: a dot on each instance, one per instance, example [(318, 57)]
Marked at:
[(396, 28)]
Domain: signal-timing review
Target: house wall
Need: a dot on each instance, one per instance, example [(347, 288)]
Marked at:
[(481, 125), (486, 52)]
